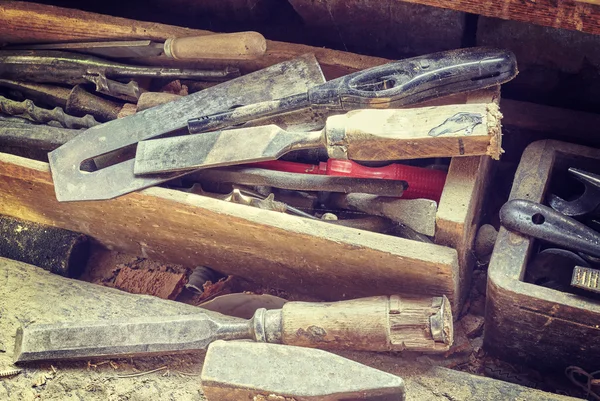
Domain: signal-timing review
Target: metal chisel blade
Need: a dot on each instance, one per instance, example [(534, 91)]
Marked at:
[(220, 148), (131, 337), (73, 184), (115, 49), (236, 370)]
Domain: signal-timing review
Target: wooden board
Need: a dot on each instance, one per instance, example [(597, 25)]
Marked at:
[(458, 215), (567, 14), (274, 249), (388, 27), (527, 323), (22, 22)]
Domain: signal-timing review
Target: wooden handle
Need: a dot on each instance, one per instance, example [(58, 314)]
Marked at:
[(371, 324), (440, 131), (228, 46)]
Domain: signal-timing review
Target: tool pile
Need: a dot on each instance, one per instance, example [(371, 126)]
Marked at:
[(572, 225), (355, 151)]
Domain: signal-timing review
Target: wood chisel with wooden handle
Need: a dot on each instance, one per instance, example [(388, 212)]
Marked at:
[(225, 46), (388, 86), (362, 135), (371, 324)]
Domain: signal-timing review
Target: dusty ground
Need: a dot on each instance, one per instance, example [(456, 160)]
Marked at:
[(30, 294)]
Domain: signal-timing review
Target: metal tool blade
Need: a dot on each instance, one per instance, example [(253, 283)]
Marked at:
[(542, 222), (220, 148), (112, 49), (239, 370), (141, 336), (72, 184)]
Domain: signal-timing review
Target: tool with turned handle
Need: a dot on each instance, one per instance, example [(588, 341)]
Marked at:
[(363, 135), (391, 85), (375, 324)]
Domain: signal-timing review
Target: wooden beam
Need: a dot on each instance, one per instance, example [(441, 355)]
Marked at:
[(576, 15), (273, 249), (547, 119), (24, 22)]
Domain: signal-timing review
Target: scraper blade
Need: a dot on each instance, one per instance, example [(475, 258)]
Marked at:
[(73, 184)]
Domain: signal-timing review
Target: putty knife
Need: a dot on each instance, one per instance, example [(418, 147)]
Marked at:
[(362, 135), (73, 184)]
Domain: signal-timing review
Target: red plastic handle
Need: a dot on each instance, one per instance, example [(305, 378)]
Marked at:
[(422, 182)]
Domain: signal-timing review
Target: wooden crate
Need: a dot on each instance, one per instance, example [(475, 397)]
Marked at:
[(276, 250), (525, 322)]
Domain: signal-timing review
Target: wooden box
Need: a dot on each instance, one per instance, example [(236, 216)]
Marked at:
[(273, 249), (527, 323)]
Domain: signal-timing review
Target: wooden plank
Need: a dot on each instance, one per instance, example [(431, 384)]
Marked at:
[(571, 124), (23, 22), (276, 250), (382, 27), (458, 216), (566, 14)]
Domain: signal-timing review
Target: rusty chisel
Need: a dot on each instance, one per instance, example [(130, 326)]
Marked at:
[(362, 135), (71, 183), (373, 324)]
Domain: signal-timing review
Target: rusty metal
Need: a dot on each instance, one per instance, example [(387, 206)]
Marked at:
[(299, 182), (50, 95), (43, 137), (81, 102), (71, 183), (27, 109)]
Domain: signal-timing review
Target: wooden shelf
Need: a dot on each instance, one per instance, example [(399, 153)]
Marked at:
[(578, 15)]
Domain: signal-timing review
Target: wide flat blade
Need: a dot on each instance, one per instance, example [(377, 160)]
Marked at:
[(73, 184), (220, 148), (130, 337)]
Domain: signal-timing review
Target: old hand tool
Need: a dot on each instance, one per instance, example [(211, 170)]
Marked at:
[(48, 66), (71, 183), (244, 196), (588, 203), (541, 222), (240, 370), (228, 46), (374, 324), (27, 109), (368, 135), (388, 86), (422, 182), (34, 136), (299, 182)]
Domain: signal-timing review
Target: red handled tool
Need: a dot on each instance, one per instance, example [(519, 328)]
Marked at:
[(422, 182)]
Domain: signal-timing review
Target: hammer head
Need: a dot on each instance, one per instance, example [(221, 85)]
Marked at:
[(239, 370)]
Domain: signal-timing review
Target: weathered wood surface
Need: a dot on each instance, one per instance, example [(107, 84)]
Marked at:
[(458, 213), (278, 251), (567, 14), (22, 22), (385, 27), (528, 323), (31, 294), (568, 124)]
